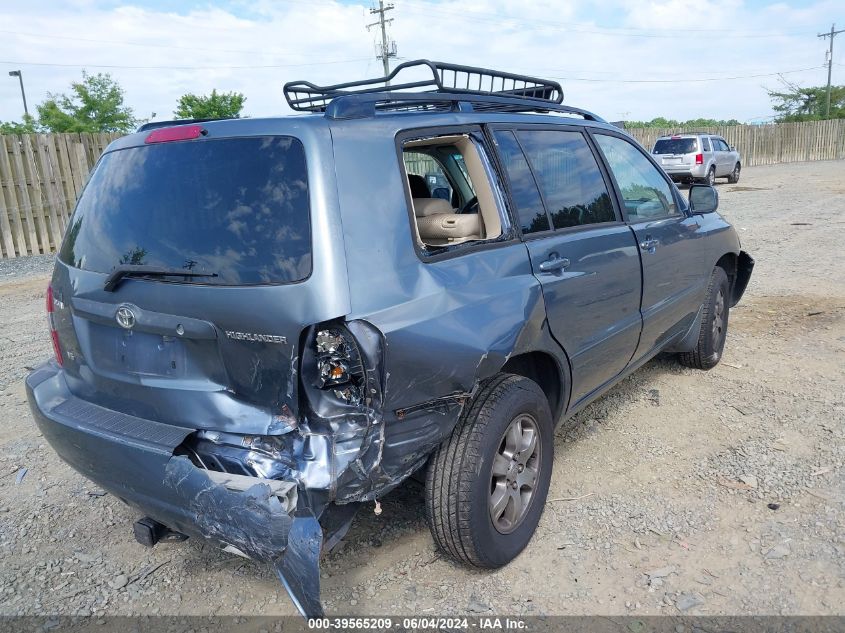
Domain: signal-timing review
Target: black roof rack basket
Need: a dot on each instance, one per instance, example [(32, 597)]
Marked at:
[(305, 96)]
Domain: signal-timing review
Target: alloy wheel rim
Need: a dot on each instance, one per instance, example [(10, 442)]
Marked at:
[(514, 474)]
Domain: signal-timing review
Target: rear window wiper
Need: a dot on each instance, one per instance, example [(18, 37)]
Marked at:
[(130, 270)]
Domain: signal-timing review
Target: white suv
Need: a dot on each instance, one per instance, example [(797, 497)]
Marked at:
[(701, 157)]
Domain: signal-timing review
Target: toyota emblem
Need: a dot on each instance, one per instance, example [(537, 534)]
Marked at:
[(125, 318)]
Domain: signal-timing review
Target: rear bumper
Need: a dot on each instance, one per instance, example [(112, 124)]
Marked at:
[(133, 458), (685, 171)]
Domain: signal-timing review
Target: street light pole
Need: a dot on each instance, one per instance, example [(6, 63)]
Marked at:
[(19, 75)]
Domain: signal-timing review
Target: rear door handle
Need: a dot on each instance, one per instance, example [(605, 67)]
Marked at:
[(553, 263), (649, 244)]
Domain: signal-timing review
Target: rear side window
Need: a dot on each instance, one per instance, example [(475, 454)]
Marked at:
[(705, 143), (569, 178), (529, 206), (675, 146), (236, 207)]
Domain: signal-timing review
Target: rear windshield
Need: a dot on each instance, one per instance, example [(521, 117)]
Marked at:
[(675, 146), (236, 207)]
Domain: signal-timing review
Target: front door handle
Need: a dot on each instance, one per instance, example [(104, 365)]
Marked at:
[(553, 263), (649, 244)]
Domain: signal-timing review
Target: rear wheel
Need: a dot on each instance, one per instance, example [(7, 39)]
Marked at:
[(733, 177), (710, 178), (714, 324), (487, 483)]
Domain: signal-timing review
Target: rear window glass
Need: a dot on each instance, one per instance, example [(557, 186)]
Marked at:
[(235, 207), (675, 146)]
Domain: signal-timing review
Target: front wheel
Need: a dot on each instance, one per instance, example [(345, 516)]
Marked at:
[(714, 324), (486, 484)]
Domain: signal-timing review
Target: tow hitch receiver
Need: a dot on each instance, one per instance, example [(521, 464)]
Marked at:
[(148, 532)]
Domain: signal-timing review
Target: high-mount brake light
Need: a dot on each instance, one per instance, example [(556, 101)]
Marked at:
[(699, 159), (54, 335), (676, 136), (175, 133)]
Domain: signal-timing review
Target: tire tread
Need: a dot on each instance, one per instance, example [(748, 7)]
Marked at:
[(448, 485), (701, 357)]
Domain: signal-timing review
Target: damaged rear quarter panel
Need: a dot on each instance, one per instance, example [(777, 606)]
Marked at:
[(447, 324)]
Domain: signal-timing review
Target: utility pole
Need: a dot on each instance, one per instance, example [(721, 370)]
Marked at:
[(19, 75), (388, 47), (833, 33)]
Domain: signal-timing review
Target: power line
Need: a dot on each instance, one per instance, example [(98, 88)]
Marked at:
[(147, 45), (833, 33), (674, 33), (674, 81), (249, 67), (272, 66)]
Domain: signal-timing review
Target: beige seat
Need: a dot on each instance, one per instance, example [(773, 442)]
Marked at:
[(445, 228), (438, 223), (431, 206)]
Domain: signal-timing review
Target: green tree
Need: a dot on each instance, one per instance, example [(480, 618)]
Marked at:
[(808, 104), (661, 122), (217, 105), (94, 105), (27, 126)]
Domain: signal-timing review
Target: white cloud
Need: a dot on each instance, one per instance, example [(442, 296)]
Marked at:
[(547, 38)]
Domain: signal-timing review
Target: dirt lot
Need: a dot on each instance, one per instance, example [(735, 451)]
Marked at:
[(680, 491)]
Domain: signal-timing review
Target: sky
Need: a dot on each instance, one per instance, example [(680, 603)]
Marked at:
[(623, 59)]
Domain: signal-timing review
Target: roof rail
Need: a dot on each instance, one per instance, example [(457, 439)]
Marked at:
[(305, 96), (152, 125), (359, 106)]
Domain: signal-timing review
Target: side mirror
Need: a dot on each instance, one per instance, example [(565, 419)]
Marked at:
[(703, 199)]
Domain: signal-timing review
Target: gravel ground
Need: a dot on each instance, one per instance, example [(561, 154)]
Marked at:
[(678, 492), (20, 268)]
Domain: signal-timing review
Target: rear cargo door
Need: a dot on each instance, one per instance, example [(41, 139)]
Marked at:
[(212, 240), (675, 152)]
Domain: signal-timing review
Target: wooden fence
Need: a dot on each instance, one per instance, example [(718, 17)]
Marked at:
[(41, 175), (769, 144)]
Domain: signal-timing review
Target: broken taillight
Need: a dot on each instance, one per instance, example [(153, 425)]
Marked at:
[(54, 335), (339, 366)]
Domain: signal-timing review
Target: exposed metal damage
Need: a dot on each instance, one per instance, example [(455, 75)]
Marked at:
[(285, 497)]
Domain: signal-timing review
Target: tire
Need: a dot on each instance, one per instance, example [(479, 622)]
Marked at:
[(733, 177), (461, 484), (714, 324), (710, 178)]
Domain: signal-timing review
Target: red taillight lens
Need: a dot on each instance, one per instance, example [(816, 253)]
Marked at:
[(54, 335), (177, 133), (699, 159)]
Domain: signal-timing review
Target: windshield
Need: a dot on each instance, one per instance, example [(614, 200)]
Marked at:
[(675, 146), (236, 207)]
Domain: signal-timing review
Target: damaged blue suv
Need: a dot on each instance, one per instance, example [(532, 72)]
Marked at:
[(261, 324)]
